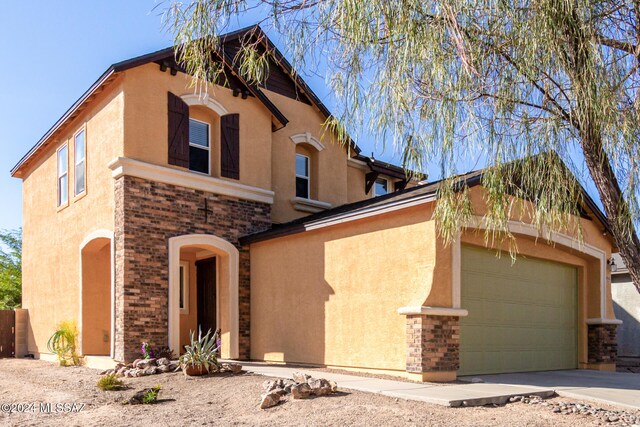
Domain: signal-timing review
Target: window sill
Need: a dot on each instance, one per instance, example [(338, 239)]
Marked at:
[(309, 205), (62, 207), (80, 196)]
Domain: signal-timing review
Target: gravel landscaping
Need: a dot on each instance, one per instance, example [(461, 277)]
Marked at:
[(228, 399)]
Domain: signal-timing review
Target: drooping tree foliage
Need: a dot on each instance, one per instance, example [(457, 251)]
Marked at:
[(497, 80), (10, 269)]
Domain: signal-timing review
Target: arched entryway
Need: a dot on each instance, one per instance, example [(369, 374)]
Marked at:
[(96, 294), (203, 290)]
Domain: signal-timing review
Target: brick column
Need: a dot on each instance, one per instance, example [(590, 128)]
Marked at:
[(601, 344), (244, 304), (147, 215), (433, 347)]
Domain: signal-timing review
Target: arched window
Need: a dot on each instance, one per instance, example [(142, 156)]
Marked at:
[(306, 165)]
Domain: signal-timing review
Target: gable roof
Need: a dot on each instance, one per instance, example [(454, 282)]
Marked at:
[(421, 193)]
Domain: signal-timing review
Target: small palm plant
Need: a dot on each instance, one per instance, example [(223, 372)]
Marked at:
[(63, 343), (200, 357)]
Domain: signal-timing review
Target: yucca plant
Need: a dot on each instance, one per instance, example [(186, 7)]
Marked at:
[(63, 343), (201, 355)]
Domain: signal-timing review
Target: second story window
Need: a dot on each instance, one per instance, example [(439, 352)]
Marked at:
[(199, 157), (381, 187), (63, 176), (302, 176), (79, 163)]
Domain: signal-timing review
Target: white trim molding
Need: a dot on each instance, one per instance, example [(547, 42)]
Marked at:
[(206, 101), (517, 227), (100, 234), (307, 138), (370, 211), (358, 164), (309, 205), (186, 282), (433, 311), (456, 271), (125, 166), (601, 321), (219, 247)]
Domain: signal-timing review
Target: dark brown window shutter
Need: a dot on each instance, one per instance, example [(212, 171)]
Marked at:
[(230, 146), (178, 131)]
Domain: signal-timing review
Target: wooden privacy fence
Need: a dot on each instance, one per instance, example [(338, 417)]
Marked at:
[(7, 333)]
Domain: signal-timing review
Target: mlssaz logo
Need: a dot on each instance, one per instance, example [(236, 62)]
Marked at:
[(51, 408)]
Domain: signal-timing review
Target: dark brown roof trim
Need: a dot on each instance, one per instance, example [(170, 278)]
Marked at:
[(128, 64), (104, 79), (334, 215), (170, 53), (257, 92), (389, 169), (341, 214), (288, 68)]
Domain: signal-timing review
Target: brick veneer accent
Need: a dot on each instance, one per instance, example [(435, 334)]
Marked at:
[(433, 343), (147, 214), (601, 343)]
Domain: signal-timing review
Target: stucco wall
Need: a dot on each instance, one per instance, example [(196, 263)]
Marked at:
[(95, 329), (52, 236), (626, 300), (146, 123), (330, 164), (267, 159), (331, 296)]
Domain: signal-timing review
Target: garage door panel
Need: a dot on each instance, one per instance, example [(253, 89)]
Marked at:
[(522, 315)]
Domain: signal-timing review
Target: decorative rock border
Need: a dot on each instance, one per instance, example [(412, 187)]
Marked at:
[(302, 386), (617, 418), (145, 367)]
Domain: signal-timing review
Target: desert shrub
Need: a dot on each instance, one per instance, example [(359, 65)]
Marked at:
[(202, 351), (165, 352), (110, 382), (63, 343), (151, 396)]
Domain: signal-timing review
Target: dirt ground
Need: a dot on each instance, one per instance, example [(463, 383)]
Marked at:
[(230, 400)]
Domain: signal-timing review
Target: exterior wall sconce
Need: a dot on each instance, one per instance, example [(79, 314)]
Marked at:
[(612, 265)]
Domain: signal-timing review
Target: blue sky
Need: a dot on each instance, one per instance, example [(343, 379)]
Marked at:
[(54, 51)]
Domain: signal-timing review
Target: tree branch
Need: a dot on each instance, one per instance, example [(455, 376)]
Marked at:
[(630, 48)]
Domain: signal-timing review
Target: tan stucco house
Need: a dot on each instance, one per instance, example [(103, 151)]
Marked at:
[(150, 210)]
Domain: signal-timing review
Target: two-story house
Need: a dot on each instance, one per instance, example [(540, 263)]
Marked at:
[(151, 210)]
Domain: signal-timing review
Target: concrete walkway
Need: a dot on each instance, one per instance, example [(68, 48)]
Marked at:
[(616, 388), (448, 395)]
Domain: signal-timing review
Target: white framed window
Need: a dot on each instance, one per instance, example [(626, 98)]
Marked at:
[(80, 169), (199, 150), (184, 287), (302, 176), (63, 175), (380, 187)]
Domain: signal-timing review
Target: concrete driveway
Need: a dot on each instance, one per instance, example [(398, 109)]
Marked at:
[(617, 388)]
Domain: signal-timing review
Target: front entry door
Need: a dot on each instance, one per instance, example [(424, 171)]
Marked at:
[(206, 281)]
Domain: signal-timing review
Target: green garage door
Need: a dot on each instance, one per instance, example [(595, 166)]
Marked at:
[(522, 316)]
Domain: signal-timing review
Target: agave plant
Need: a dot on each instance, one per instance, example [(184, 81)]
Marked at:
[(63, 343), (202, 352)]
